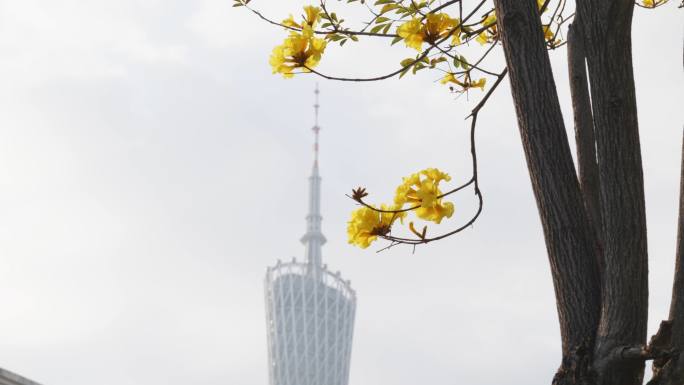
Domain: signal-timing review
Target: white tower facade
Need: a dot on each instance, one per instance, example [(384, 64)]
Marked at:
[(309, 310)]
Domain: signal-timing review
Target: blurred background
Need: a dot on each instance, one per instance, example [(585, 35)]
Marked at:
[(152, 167)]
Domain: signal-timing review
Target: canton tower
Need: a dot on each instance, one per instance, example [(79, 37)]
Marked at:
[(309, 310)]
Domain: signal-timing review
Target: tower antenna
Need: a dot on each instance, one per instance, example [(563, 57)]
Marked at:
[(314, 239), (316, 128)]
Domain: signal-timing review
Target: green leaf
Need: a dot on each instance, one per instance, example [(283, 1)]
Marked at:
[(396, 40), (406, 62), (377, 28), (388, 7), (464, 63), (381, 19), (354, 38), (436, 61)]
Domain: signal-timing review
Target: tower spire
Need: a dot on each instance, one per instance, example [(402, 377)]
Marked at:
[(316, 128), (314, 239)]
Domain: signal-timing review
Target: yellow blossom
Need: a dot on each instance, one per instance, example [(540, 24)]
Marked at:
[(412, 33), (311, 15), (549, 35), (490, 33), (652, 3), (299, 50), (289, 22), (437, 26), (451, 78), (422, 189), (479, 83), (456, 39), (367, 224)]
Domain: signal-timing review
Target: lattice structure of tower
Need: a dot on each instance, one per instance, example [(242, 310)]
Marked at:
[(309, 310)]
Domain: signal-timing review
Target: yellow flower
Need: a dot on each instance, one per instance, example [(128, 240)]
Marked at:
[(422, 189), (299, 50), (311, 15), (451, 78), (479, 83), (289, 22), (436, 175), (367, 224), (436, 212), (436, 27), (412, 32), (549, 36), (456, 39), (490, 33)]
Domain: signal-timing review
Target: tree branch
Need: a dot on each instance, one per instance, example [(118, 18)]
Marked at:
[(584, 132)]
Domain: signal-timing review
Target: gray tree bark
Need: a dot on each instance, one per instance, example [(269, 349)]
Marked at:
[(601, 332), (571, 244), (670, 370), (584, 131), (606, 26)]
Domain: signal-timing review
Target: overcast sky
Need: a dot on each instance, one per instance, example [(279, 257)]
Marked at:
[(151, 168)]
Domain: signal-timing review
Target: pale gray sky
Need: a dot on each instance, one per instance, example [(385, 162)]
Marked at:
[(151, 167)]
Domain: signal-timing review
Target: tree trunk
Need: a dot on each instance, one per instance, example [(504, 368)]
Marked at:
[(584, 131), (606, 26), (670, 371), (570, 241)]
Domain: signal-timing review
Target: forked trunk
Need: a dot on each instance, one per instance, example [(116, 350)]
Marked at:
[(570, 241), (602, 311)]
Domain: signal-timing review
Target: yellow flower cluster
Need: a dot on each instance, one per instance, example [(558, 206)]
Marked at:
[(366, 224), (437, 26), (300, 50), (420, 190)]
